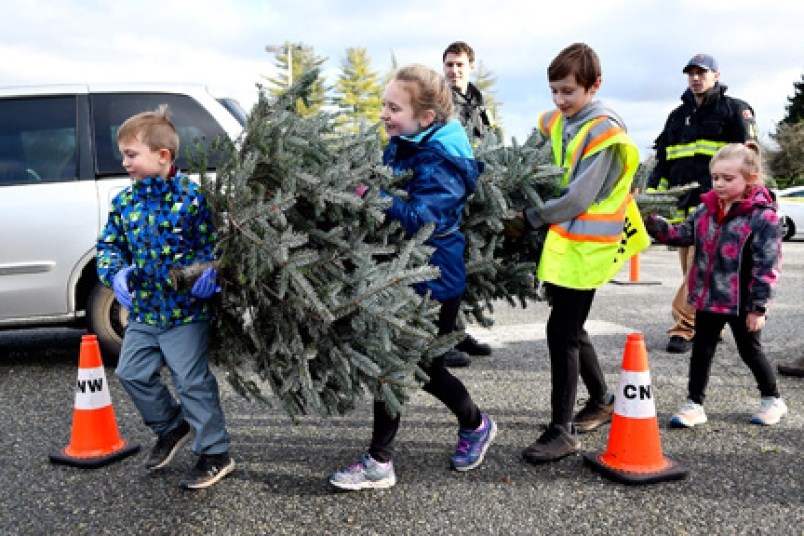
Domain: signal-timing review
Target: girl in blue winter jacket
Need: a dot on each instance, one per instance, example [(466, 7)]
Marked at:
[(426, 141), (737, 239)]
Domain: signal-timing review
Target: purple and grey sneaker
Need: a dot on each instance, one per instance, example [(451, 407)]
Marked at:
[(472, 445)]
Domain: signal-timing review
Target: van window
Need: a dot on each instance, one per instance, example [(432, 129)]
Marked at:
[(38, 140), (194, 124)]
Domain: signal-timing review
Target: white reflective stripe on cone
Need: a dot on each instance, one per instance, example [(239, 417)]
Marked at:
[(91, 391), (634, 397)]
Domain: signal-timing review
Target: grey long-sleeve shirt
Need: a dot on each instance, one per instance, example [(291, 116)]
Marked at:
[(592, 180)]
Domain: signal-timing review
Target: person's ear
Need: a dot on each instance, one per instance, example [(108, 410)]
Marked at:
[(164, 155), (427, 118), (594, 87)]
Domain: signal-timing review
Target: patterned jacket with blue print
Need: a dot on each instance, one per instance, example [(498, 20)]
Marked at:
[(737, 254), (157, 224), (444, 174)]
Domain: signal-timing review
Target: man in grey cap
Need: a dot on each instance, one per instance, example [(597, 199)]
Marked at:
[(705, 121)]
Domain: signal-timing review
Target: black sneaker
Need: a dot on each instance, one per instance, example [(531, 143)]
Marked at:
[(455, 358), (167, 445), (555, 443), (208, 470), (794, 367), (593, 415), (678, 345), (472, 346)]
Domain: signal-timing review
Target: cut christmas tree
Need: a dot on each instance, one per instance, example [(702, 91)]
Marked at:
[(317, 298)]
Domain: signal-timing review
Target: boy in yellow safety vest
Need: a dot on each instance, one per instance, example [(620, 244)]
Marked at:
[(587, 240)]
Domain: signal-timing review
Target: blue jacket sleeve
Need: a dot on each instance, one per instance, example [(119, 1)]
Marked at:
[(435, 196), (112, 248)]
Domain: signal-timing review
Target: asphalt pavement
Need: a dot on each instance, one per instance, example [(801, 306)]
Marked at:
[(743, 478)]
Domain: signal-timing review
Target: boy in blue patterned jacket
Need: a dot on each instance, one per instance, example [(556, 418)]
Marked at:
[(158, 224)]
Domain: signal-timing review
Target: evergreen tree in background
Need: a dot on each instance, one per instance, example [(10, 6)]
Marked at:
[(795, 104), (389, 74), (485, 81), (293, 59), (358, 92), (787, 162), (317, 302)]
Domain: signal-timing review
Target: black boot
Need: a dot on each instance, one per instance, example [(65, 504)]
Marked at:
[(472, 346), (792, 368), (454, 358)]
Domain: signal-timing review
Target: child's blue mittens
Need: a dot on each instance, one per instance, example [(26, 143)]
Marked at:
[(120, 286), (205, 286)]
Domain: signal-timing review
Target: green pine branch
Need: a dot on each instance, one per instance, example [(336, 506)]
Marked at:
[(317, 302)]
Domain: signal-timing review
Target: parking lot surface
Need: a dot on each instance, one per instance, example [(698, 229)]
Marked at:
[(743, 478)]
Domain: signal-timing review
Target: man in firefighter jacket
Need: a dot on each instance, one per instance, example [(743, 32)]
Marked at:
[(706, 120)]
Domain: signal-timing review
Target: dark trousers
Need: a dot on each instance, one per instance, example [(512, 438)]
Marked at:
[(442, 385), (708, 327), (571, 352)]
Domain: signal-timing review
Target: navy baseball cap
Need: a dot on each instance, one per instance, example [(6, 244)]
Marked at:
[(703, 61)]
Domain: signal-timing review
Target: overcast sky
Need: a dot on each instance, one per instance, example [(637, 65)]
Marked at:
[(643, 45)]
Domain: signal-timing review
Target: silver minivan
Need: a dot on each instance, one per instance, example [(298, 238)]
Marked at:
[(59, 170)]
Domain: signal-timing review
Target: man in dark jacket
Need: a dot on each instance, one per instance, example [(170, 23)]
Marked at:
[(706, 120), (459, 63)]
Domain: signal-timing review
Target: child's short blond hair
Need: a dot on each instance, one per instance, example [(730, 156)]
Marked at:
[(749, 152), (154, 129), (577, 59), (428, 91)]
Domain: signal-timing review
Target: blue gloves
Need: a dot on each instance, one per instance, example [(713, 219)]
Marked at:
[(120, 286), (205, 285)]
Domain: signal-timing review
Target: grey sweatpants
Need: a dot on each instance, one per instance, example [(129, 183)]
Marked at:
[(185, 351)]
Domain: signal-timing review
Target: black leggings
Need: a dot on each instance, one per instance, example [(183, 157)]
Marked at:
[(708, 327), (571, 352), (442, 385)]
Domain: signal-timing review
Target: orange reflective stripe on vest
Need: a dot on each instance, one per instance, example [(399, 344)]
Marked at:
[(594, 227), (598, 142)]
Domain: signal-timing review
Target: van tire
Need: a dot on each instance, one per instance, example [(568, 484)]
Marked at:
[(108, 320)]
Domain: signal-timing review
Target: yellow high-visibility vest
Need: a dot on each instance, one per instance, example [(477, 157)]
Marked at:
[(587, 251)]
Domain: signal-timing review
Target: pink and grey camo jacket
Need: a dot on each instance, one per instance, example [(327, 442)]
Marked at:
[(737, 260)]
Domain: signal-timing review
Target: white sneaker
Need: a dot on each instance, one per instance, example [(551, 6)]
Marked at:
[(771, 410), (688, 415)]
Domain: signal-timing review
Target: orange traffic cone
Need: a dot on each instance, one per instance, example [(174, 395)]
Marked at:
[(634, 274), (634, 453), (95, 440)]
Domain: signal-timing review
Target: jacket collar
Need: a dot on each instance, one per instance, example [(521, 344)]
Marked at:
[(713, 95), (758, 196), (155, 186)]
